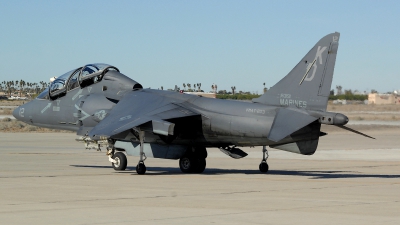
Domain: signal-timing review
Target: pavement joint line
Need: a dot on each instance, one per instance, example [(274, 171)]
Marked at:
[(247, 212)]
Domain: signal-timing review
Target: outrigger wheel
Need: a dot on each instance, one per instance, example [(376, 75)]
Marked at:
[(141, 168), (120, 161), (263, 167)]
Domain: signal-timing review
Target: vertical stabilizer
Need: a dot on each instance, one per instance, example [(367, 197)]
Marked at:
[(308, 84)]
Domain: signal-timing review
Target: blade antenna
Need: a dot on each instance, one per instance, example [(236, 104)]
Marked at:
[(354, 131)]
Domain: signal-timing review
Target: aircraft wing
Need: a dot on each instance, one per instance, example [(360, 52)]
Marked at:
[(138, 108)]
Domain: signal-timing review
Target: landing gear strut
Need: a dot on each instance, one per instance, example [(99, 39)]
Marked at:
[(263, 165), (141, 168)]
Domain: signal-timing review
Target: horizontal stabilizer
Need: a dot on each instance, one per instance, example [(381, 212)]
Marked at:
[(287, 121), (301, 147), (235, 153)]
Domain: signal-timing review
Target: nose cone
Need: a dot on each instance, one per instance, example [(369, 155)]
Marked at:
[(16, 113)]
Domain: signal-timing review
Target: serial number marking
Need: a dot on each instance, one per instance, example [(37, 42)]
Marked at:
[(259, 111), (286, 96)]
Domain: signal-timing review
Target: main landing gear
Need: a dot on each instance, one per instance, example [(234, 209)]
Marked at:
[(193, 161), (263, 165)]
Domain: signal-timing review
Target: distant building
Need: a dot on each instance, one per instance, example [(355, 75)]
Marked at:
[(383, 99)]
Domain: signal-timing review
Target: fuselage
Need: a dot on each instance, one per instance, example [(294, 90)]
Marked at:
[(222, 122)]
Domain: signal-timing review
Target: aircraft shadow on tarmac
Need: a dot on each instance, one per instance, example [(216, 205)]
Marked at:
[(156, 171)]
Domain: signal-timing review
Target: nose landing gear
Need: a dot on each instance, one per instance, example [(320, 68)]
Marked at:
[(118, 159), (263, 165), (120, 162)]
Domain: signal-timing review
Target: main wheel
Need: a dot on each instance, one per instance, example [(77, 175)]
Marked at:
[(263, 167), (200, 165), (121, 161), (140, 168), (186, 164)]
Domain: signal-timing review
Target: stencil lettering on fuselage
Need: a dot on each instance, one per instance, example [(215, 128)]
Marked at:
[(286, 100), (258, 111), (318, 59)]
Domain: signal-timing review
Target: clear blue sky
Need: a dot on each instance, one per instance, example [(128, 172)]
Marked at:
[(230, 43)]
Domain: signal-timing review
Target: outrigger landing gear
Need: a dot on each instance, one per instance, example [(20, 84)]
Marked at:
[(263, 165), (141, 168)]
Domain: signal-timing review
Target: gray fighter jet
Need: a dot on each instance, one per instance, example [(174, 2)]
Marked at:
[(107, 108)]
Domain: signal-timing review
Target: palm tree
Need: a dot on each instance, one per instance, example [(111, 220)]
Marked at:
[(233, 89), (21, 85), (184, 86)]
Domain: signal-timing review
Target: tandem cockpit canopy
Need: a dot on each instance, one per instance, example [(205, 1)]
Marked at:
[(80, 77)]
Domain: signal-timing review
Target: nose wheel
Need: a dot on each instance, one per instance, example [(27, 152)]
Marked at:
[(264, 165), (120, 162), (141, 168)]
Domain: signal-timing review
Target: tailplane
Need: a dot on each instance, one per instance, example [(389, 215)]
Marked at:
[(308, 84)]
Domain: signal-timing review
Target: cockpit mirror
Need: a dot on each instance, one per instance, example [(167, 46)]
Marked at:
[(93, 73)]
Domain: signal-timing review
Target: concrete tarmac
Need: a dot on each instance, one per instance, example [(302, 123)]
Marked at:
[(50, 179)]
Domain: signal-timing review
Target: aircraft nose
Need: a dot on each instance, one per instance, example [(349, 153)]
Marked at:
[(18, 113)]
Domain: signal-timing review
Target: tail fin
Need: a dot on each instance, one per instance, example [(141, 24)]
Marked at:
[(308, 84)]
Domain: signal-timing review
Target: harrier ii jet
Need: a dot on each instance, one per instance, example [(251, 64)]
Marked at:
[(107, 108)]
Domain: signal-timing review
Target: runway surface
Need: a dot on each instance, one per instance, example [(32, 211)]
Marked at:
[(50, 179)]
